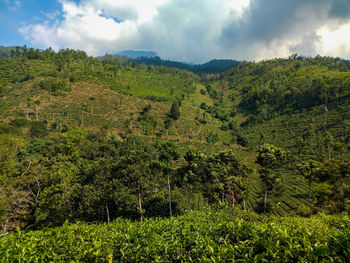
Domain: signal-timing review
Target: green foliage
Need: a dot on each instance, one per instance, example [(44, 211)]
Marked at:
[(168, 122), (147, 120), (212, 137), (5, 128), (332, 186), (54, 86), (168, 152), (287, 85), (298, 104), (38, 129), (241, 140), (197, 236), (19, 123), (270, 156), (175, 111), (37, 145)]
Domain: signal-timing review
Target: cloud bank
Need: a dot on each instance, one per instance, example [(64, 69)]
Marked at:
[(199, 30)]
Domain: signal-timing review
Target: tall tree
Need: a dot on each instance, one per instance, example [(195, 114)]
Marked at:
[(168, 153), (191, 172), (332, 191), (269, 158), (175, 111), (232, 176), (133, 168), (310, 170)]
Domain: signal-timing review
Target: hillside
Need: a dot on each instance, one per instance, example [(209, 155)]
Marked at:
[(88, 140), (285, 98), (299, 104), (78, 91)]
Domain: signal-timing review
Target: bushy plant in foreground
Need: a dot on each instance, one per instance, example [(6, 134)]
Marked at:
[(197, 236)]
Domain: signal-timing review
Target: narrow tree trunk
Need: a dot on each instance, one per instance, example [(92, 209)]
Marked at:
[(30, 162), (169, 196), (140, 201), (37, 113), (233, 199), (5, 226), (265, 200), (37, 195), (244, 206), (108, 217)]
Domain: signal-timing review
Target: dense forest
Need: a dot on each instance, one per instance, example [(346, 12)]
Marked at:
[(91, 140)]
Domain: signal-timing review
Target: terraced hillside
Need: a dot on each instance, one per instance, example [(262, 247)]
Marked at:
[(299, 104), (104, 96), (70, 123)]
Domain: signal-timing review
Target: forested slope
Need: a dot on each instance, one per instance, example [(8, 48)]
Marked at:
[(88, 140), (299, 104)]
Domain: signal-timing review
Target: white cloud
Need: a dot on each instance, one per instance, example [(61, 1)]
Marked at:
[(335, 42), (51, 16), (14, 5), (198, 30), (135, 10), (41, 35)]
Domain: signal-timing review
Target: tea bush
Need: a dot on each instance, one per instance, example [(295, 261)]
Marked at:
[(204, 236)]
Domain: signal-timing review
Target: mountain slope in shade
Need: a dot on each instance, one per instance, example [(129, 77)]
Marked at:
[(136, 54), (213, 66), (217, 63)]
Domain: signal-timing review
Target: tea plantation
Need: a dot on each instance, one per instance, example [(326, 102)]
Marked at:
[(206, 236)]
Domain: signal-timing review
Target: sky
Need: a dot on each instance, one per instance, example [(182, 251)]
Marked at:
[(184, 30)]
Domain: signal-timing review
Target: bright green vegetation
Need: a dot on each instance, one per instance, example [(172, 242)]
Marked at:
[(298, 104), (206, 236), (93, 141)]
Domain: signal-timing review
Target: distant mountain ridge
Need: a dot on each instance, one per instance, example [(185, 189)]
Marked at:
[(151, 58), (212, 66), (136, 54)]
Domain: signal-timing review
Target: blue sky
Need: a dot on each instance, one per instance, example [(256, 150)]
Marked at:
[(184, 30), (16, 14)]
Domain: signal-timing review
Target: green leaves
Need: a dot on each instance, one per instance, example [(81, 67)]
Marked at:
[(175, 111), (197, 236), (270, 156), (310, 169), (55, 86)]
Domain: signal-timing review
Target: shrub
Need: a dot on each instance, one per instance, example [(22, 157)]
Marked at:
[(38, 129), (19, 123), (212, 137), (175, 111), (54, 86)]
